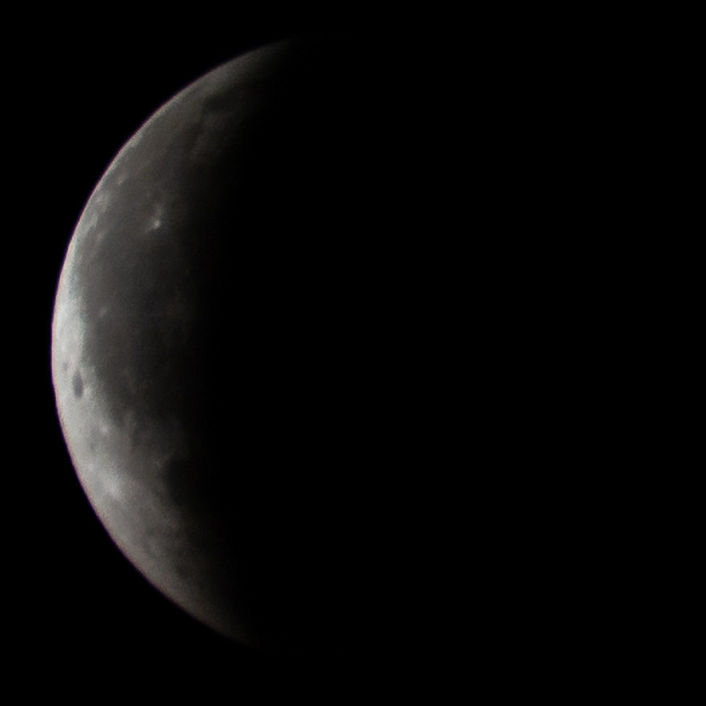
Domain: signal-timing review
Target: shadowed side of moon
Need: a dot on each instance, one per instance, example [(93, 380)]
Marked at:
[(219, 325)]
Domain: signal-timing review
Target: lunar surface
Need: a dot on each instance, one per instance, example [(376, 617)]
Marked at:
[(221, 321)]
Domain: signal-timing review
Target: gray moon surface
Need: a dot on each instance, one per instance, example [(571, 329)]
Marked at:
[(212, 346), (124, 315)]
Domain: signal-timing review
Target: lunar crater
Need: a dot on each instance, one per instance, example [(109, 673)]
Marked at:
[(77, 384)]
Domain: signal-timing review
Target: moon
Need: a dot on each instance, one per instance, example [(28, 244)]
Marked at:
[(212, 347)]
